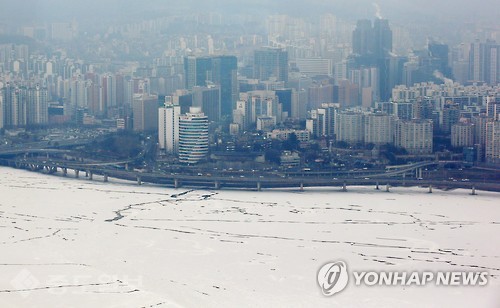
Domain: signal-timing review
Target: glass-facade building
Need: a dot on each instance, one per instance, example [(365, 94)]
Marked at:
[(193, 136)]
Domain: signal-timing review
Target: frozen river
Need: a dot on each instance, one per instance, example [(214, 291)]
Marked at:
[(68, 242)]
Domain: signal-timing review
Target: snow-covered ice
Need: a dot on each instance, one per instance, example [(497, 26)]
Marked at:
[(68, 242)]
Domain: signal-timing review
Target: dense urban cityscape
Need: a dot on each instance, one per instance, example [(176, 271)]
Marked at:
[(249, 153), (294, 93)]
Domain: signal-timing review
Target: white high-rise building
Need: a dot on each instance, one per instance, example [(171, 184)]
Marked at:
[(242, 115), (315, 66), (493, 142), (78, 97), (193, 136), (37, 106), (414, 136), (168, 126), (14, 105), (379, 128), (263, 103), (349, 127)]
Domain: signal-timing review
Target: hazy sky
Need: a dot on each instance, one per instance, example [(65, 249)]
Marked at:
[(27, 11)]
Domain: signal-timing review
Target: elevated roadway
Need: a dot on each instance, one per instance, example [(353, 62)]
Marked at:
[(257, 181)]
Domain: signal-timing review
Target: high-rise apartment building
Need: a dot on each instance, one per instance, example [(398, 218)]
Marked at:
[(14, 101), (462, 135), (492, 150), (450, 116), (2, 110), (378, 128), (22, 106), (37, 106), (349, 127), (414, 136)]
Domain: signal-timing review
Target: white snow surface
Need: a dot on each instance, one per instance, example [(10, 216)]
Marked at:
[(67, 242)]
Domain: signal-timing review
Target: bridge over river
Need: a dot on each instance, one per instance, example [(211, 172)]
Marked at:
[(405, 175)]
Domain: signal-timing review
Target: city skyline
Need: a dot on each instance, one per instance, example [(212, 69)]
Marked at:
[(221, 153)]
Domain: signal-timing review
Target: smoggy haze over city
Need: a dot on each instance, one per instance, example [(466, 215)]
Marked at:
[(399, 10)]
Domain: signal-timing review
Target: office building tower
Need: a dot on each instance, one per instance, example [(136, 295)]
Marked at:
[(218, 70), (319, 94), (315, 66), (438, 53), (209, 100), (285, 97), (193, 137), (362, 38), (382, 38), (348, 94), (168, 126), (415, 136), (372, 47), (484, 62), (271, 63), (263, 103), (372, 42), (145, 112), (183, 98), (242, 115), (299, 104)]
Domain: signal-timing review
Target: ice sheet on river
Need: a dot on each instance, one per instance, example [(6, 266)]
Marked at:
[(68, 242)]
